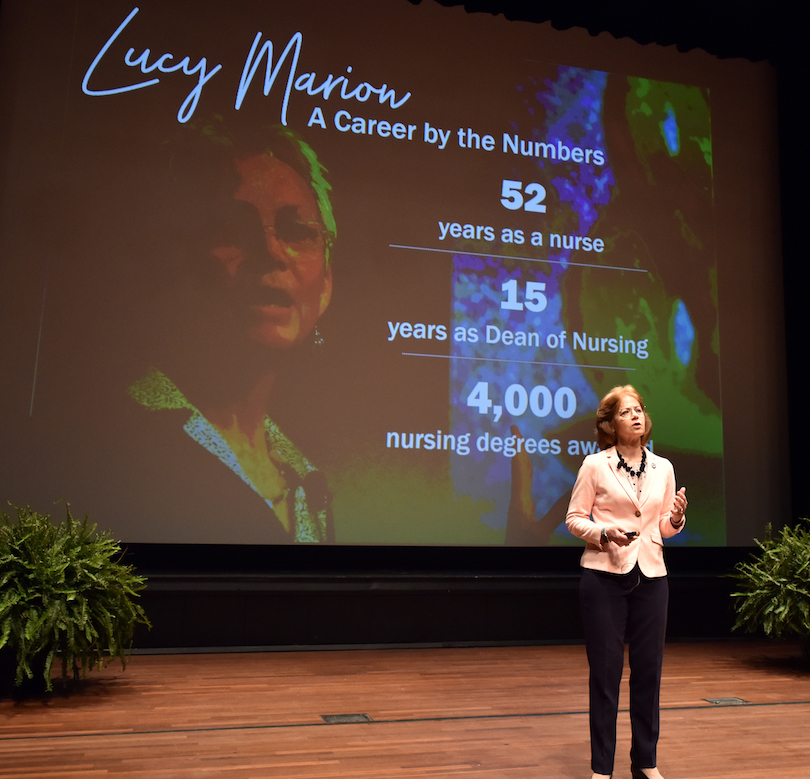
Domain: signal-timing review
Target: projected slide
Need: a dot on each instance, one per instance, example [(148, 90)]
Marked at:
[(354, 274)]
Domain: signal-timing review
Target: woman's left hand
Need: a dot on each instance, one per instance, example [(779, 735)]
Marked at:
[(679, 506)]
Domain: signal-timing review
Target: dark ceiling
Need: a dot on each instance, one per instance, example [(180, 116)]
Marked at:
[(726, 29)]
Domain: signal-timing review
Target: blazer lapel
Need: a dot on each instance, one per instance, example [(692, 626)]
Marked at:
[(651, 476), (612, 461)]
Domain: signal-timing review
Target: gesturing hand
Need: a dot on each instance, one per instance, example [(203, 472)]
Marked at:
[(678, 507)]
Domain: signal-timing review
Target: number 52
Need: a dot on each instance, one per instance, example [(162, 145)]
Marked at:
[(512, 196)]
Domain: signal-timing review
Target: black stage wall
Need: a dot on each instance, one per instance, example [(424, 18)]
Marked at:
[(397, 597)]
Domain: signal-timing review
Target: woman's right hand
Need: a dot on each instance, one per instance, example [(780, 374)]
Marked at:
[(618, 536)]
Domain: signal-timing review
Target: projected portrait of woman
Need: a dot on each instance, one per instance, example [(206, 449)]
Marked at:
[(252, 229)]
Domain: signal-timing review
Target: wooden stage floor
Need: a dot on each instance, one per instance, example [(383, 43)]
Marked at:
[(506, 712)]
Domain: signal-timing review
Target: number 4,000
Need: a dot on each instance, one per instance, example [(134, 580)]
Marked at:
[(518, 400)]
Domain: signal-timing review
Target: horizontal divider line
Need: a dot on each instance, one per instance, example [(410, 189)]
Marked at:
[(512, 257), (528, 362)]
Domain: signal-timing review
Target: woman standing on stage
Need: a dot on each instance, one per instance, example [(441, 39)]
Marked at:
[(624, 504)]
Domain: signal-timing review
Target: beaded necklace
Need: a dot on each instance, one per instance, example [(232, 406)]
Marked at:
[(634, 475), (629, 469)]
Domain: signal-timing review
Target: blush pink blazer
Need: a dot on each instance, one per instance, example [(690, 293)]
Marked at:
[(603, 497)]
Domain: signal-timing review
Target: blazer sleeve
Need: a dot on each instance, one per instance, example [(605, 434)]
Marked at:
[(578, 519), (664, 524)]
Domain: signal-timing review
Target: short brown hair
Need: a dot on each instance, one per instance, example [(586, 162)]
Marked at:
[(605, 434)]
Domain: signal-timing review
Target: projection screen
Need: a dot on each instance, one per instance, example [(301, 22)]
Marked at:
[(359, 273)]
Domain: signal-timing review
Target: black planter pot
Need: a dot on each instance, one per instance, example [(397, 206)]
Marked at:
[(8, 667), (8, 671)]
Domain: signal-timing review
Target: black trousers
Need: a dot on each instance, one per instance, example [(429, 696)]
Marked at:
[(615, 608)]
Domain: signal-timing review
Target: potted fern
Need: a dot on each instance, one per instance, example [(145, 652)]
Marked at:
[(774, 587), (63, 593)]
